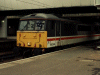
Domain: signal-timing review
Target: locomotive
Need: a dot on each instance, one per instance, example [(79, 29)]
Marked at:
[(38, 32)]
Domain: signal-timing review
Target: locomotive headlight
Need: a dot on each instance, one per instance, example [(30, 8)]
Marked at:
[(29, 43)]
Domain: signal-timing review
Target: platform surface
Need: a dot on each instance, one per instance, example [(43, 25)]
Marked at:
[(78, 60)]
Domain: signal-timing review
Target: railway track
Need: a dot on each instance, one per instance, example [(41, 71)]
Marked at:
[(8, 52), (10, 56), (6, 55)]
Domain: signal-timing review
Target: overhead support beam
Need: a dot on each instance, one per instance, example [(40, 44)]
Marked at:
[(81, 15), (11, 17)]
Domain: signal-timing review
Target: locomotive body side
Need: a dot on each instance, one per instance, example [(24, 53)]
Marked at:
[(67, 40), (65, 32)]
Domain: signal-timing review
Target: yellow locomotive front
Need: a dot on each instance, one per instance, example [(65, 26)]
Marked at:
[(32, 34)]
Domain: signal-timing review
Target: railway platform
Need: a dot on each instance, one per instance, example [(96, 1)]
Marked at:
[(80, 60)]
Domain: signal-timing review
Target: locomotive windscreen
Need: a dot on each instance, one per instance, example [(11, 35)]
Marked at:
[(33, 25)]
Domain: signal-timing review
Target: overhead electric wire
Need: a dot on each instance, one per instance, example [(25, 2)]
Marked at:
[(35, 4), (42, 3), (39, 4)]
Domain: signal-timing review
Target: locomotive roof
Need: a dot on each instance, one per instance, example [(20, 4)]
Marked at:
[(44, 16), (41, 16)]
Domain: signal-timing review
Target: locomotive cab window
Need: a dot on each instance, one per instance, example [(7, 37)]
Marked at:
[(32, 25), (40, 25), (23, 25)]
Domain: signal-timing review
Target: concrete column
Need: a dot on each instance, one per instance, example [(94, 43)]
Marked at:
[(3, 28)]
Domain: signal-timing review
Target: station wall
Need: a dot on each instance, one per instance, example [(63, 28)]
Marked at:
[(97, 2), (39, 4), (8, 27)]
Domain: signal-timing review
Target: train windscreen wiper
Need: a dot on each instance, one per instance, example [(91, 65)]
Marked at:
[(25, 26)]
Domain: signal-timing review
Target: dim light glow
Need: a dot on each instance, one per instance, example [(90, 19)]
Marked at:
[(3, 21), (9, 26)]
